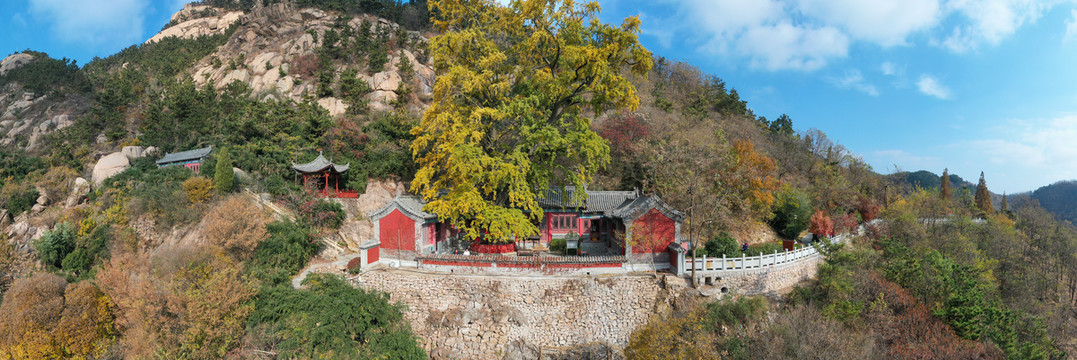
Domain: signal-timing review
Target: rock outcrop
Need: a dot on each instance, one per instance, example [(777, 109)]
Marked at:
[(198, 20), (79, 190), (14, 61), (273, 42), (108, 166)]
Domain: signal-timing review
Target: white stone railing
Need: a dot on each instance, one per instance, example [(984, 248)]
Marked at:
[(760, 261)]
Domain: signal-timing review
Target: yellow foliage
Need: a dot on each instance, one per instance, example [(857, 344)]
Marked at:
[(509, 116), (673, 338), (86, 226), (236, 226), (198, 189), (43, 317), (754, 175)]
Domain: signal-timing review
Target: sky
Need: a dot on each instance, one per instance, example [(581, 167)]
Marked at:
[(968, 85)]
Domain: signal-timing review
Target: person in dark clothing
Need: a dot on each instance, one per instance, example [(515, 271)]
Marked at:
[(744, 247)]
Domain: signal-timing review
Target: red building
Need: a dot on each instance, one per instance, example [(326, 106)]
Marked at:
[(602, 222)]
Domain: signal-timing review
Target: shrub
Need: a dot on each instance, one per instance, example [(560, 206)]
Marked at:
[(18, 197), (43, 317), (198, 189), (328, 214), (333, 319), (355, 265), (734, 312), (287, 250), (306, 65), (56, 244), (791, 214), (235, 225), (57, 182), (721, 244), (558, 245), (765, 248)]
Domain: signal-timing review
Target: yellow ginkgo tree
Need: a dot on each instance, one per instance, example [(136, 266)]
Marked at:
[(511, 116)]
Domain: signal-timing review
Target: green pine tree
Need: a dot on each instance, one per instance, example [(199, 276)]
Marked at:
[(983, 197), (944, 190), (224, 178)]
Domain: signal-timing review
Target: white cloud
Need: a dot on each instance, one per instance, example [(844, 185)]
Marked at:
[(1044, 148), (102, 23), (989, 21), (786, 46), (884, 22), (807, 35), (931, 86), (1071, 25), (853, 79), (888, 68)]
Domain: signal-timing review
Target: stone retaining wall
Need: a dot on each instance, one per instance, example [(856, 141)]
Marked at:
[(764, 280), (487, 317)]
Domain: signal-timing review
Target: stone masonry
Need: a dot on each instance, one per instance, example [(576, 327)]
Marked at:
[(767, 280), (487, 317)]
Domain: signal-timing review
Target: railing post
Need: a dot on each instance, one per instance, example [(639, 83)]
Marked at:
[(774, 258), (704, 262), (723, 261), (743, 260), (760, 259)]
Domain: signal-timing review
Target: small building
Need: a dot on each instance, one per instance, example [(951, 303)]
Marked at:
[(404, 230), (191, 159), (324, 176)]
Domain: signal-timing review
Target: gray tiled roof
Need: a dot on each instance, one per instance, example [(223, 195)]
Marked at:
[(597, 201), (412, 206), (320, 163), (621, 204), (185, 155), (642, 204)]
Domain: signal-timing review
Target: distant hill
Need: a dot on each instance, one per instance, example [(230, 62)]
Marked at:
[(929, 180), (1059, 198)]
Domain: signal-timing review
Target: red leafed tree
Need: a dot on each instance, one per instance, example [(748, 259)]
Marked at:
[(623, 132), (846, 223), (868, 209), (821, 224)]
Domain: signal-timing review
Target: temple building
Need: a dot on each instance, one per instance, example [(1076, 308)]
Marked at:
[(191, 159), (324, 176)]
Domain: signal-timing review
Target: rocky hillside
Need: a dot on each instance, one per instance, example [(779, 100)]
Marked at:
[(278, 52), (29, 111), (273, 45)]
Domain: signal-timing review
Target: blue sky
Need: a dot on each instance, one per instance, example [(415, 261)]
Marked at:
[(972, 85)]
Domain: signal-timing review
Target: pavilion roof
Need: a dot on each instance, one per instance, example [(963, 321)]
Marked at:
[(320, 164)]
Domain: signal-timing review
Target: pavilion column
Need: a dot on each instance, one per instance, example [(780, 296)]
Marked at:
[(325, 190)]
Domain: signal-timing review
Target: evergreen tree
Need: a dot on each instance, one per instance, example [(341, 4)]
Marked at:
[(224, 178), (944, 190), (983, 197), (1005, 207)]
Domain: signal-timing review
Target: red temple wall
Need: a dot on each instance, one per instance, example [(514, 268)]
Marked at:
[(653, 225), (397, 231)]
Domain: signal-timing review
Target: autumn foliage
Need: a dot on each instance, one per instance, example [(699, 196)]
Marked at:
[(178, 302), (752, 174), (44, 317), (821, 224), (235, 225), (198, 189)]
